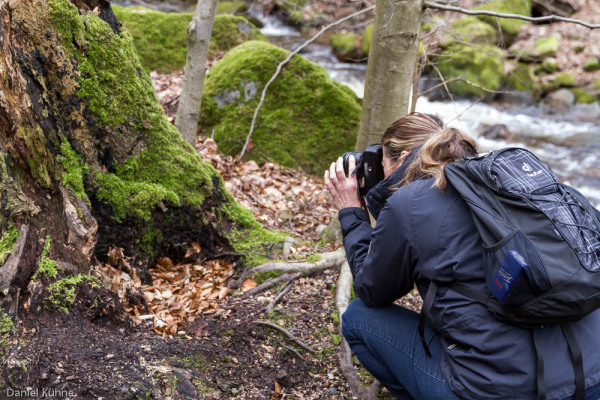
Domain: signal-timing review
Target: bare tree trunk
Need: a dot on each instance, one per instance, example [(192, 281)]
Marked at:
[(390, 71), (198, 41)]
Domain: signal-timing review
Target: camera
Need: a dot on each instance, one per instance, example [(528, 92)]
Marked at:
[(369, 167)]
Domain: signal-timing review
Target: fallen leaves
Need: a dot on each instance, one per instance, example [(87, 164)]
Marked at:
[(280, 198), (178, 293)]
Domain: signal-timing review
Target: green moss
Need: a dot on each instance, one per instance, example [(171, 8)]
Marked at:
[(596, 84), (583, 96), (46, 267), (345, 43), (7, 243), (151, 241), (65, 17), (543, 48), (579, 48), (231, 7), (197, 361), (509, 26), (366, 40), (260, 245), (336, 339), (264, 276), (62, 292), (74, 170), (563, 80), (548, 66), (306, 120), (161, 38), (469, 30), (230, 31), (313, 258), (7, 327), (482, 65), (522, 78), (592, 65), (335, 317)]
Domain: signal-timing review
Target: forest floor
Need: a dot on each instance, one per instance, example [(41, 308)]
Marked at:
[(217, 352)]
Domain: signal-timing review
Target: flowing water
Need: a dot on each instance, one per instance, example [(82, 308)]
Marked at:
[(568, 141)]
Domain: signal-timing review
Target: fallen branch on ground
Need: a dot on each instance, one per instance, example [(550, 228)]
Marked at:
[(280, 295), (286, 333), (342, 299)]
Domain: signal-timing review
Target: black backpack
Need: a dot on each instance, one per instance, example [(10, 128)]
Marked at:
[(541, 246)]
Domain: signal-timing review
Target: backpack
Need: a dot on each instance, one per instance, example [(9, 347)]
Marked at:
[(541, 246)]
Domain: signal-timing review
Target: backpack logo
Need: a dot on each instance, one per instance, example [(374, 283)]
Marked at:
[(526, 167)]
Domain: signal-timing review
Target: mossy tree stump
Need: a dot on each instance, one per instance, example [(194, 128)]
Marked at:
[(88, 157)]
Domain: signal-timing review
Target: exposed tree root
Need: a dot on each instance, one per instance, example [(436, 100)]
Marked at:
[(286, 333), (342, 299), (293, 271), (9, 270)]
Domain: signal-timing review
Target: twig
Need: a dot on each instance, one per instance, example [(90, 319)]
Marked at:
[(286, 333), (438, 6), (282, 292), (293, 350), (437, 86), (288, 58), (466, 109), (267, 284)]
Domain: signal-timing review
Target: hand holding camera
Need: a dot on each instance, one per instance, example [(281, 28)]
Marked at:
[(343, 187)]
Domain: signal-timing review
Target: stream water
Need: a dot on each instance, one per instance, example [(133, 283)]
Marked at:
[(568, 141)]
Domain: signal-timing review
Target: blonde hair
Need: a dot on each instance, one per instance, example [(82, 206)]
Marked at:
[(440, 145)]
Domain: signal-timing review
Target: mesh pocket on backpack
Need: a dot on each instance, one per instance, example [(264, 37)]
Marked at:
[(514, 271)]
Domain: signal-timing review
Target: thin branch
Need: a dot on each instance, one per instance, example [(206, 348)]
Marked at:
[(466, 109), (267, 284), (461, 10), (286, 333), (288, 58), (285, 290), (327, 261), (293, 350)]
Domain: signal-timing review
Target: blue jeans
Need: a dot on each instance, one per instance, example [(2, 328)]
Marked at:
[(386, 342)]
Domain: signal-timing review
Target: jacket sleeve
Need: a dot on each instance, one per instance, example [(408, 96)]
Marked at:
[(381, 259)]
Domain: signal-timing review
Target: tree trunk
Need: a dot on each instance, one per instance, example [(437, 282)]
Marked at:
[(390, 71), (87, 156), (198, 41)]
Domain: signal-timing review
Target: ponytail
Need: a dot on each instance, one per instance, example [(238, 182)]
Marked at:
[(439, 145)]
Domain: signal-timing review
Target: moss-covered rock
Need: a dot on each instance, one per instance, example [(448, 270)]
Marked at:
[(469, 30), (563, 80), (583, 96), (522, 78), (579, 48), (596, 84), (345, 45), (543, 48), (160, 38), (231, 7), (307, 120), (592, 65), (548, 66), (509, 26), (366, 40), (482, 65)]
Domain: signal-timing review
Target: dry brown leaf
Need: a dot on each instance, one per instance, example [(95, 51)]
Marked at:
[(249, 284), (277, 391)]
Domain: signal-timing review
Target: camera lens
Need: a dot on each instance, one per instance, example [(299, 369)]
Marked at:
[(346, 160)]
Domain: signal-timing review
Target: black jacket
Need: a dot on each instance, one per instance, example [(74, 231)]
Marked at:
[(423, 234)]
